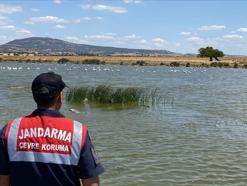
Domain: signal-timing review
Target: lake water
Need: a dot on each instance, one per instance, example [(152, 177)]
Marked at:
[(197, 137)]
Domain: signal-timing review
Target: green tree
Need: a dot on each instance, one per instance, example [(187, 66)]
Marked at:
[(211, 53)]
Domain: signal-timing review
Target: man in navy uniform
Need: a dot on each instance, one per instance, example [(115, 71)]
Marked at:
[(45, 148)]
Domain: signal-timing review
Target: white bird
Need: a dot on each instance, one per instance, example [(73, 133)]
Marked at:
[(74, 111)]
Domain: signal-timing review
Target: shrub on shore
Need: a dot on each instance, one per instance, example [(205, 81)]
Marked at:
[(213, 64), (174, 64), (93, 61), (140, 62), (63, 60), (235, 65), (245, 66), (204, 65), (187, 65), (216, 64), (226, 65)]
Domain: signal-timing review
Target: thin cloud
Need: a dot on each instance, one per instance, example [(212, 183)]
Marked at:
[(60, 26), (24, 32), (100, 36), (110, 34), (159, 42), (242, 29), (7, 27), (132, 1), (212, 28), (99, 18), (177, 44), (86, 18), (18, 31), (232, 36), (9, 9), (100, 7), (57, 1), (185, 33), (79, 20), (132, 36), (195, 39), (45, 19), (3, 20), (72, 38), (3, 39), (35, 9), (143, 41)]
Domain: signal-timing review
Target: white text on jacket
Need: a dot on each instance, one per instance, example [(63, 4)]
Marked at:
[(45, 133)]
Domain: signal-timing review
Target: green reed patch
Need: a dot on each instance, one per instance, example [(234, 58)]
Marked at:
[(108, 95)]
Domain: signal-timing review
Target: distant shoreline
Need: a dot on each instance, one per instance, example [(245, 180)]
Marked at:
[(188, 61)]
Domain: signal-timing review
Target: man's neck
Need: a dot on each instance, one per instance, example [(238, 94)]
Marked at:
[(48, 108)]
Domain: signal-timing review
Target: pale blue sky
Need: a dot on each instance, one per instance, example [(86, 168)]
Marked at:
[(179, 25)]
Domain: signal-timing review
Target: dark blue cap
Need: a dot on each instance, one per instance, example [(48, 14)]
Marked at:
[(48, 83)]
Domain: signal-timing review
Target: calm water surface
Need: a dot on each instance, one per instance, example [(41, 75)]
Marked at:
[(197, 136)]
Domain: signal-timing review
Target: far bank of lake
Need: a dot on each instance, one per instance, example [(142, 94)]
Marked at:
[(188, 61)]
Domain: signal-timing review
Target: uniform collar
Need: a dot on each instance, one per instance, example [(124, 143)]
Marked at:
[(47, 112)]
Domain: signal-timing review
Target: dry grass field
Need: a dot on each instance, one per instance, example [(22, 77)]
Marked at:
[(134, 60)]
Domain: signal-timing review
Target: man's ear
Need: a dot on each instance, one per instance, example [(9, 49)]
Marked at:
[(59, 97)]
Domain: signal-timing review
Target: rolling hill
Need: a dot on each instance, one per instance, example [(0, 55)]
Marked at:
[(44, 45)]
